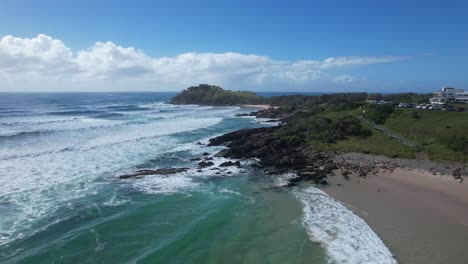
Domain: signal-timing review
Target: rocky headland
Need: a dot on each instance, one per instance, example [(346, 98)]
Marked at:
[(317, 136), (279, 154)]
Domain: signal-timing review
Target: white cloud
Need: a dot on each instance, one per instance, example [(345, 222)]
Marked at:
[(44, 63), (40, 54), (107, 60)]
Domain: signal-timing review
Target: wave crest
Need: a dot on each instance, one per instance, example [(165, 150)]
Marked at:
[(346, 237)]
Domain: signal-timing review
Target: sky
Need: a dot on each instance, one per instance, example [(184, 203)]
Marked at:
[(301, 46)]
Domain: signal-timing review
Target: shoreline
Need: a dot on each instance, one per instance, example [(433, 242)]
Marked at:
[(258, 106), (417, 207), (421, 217)]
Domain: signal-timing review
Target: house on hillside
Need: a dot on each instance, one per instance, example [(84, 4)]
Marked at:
[(448, 95)]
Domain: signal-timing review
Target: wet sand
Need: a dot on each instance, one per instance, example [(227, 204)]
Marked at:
[(421, 217)]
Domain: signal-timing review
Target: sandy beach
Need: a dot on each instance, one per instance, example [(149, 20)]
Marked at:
[(421, 217), (259, 106)]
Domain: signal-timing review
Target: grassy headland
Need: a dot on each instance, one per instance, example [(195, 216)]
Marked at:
[(346, 123)]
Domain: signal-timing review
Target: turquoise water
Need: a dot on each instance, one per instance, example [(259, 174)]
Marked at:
[(61, 200), (226, 221)]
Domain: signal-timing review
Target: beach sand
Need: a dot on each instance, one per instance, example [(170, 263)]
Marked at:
[(260, 106), (421, 217)]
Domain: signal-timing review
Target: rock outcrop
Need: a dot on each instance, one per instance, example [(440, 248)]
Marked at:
[(162, 171)]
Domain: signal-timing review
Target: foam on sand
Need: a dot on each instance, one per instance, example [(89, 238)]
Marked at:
[(346, 237)]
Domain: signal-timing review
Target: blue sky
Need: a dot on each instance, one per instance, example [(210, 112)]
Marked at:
[(259, 45)]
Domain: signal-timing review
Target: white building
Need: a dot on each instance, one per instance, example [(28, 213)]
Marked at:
[(448, 95)]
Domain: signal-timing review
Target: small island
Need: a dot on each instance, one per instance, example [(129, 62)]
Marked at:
[(205, 94)]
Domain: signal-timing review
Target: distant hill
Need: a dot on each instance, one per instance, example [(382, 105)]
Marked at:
[(205, 94)]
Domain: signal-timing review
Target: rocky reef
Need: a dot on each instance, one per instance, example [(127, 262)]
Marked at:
[(276, 153)]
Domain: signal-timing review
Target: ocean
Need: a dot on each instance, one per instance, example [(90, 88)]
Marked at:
[(61, 200)]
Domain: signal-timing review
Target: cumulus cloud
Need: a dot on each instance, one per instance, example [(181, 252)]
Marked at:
[(43, 61), (39, 54)]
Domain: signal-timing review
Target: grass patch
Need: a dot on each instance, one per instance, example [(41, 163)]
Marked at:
[(433, 130), (340, 114), (377, 144)]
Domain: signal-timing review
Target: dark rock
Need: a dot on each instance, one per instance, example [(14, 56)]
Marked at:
[(195, 159), (205, 154), (228, 164), (204, 164), (222, 153), (457, 174), (162, 171), (280, 154), (324, 182)]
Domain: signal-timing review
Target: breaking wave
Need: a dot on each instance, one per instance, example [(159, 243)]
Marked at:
[(346, 237)]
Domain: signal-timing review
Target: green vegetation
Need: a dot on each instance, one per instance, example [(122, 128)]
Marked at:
[(378, 113), (375, 143), (205, 94), (323, 129), (332, 122), (441, 134), (412, 98)]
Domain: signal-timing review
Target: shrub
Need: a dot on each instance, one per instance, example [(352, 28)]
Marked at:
[(379, 113), (325, 130), (459, 144), (415, 115)]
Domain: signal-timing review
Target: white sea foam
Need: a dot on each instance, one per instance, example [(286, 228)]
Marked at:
[(45, 178), (105, 136), (224, 190), (33, 188), (266, 121), (346, 237), (156, 129), (184, 181), (116, 201), (34, 120), (164, 184), (283, 179), (74, 124)]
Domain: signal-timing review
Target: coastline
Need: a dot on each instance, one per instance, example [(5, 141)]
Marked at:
[(418, 208), (415, 206), (421, 217)]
